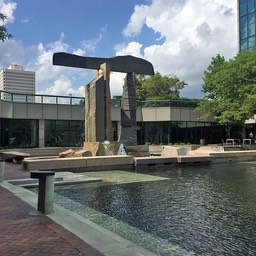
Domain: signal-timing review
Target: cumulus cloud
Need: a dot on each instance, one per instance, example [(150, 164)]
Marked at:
[(7, 8), (7, 50), (136, 21), (41, 63), (133, 48), (116, 83), (194, 31)]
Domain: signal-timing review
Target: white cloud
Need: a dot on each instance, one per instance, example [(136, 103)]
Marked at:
[(24, 20), (42, 61), (7, 8), (194, 32), (64, 80), (90, 45), (61, 86), (136, 21), (116, 83), (11, 52), (133, 48)]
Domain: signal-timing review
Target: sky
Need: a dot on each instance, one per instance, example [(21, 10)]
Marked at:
[(179, 37)]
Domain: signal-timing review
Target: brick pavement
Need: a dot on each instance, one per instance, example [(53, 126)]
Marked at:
[(15, 171), (25, 231)]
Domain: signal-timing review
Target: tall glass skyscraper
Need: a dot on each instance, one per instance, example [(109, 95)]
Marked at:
[(246, 12)]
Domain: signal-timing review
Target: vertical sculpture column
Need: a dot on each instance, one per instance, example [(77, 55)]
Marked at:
[(94, 110), (128, 135), (107, 102), (98, 124), (45, 190)]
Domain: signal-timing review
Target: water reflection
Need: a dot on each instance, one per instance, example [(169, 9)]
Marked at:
[(208, 210)]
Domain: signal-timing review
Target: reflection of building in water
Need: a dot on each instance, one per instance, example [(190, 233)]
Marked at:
[(16, 80)]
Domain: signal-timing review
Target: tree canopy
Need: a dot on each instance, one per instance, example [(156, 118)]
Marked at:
[(158, 87), (230, 87), (3, 31)]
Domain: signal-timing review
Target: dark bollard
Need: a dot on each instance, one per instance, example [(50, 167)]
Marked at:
[(1, 170), (45, 190)]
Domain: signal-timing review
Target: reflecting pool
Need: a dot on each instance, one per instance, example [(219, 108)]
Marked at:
[(197, 210)]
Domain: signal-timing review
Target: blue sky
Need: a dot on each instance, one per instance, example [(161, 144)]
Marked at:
[(178, 37)]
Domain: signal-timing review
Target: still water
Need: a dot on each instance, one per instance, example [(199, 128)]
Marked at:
[(198, 210)]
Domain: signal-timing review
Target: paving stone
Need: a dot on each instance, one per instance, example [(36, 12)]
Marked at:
[(22, 233)]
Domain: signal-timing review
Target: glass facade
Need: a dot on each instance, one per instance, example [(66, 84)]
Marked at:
[(246, 10), (63, 133), (16, 133), (157, 133), (183, 132)]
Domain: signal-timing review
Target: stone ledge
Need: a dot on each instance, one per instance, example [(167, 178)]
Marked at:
[(194, 159), (75, 162), (139, 161)]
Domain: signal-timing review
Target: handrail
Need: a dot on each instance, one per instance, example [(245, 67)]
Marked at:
[(74, 100), (41, 98)]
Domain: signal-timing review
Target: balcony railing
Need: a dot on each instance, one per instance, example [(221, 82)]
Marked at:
[(72, 100), (167, 103), (40, 98)]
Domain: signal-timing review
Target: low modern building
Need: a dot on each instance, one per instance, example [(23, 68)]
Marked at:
[(51, 121)]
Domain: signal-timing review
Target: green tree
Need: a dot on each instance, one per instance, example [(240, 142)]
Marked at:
[(230, 88), (3, 31), (158, 87)]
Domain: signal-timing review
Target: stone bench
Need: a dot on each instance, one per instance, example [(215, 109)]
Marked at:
[(14, 156)]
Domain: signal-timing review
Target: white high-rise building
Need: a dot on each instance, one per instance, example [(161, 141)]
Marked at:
[(16, 80)]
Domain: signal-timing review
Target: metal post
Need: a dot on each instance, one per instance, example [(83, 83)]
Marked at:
[(2, 162), (45, 190)]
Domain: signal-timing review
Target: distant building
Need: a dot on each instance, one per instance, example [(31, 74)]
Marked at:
[(246, 20), (16, 80)]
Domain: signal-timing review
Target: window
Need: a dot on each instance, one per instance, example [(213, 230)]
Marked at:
[(251, 6), (64, 133), (243, 9), (251, 18), (18, 133), (251, 29), (251, 42), (244, 44), (243, 22), (243, 33)]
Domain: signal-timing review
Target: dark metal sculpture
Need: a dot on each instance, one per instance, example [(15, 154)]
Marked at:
[(125, 64)]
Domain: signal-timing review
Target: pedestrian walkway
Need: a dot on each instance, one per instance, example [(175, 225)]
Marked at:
[(25, 231)]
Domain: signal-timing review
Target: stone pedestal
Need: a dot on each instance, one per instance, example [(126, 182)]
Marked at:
[(137, 151), (105, 148), (45, 190)]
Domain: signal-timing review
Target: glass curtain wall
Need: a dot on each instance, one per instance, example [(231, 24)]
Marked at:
[(16, 133), (179, 132), (63, 133), (246, 10)]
